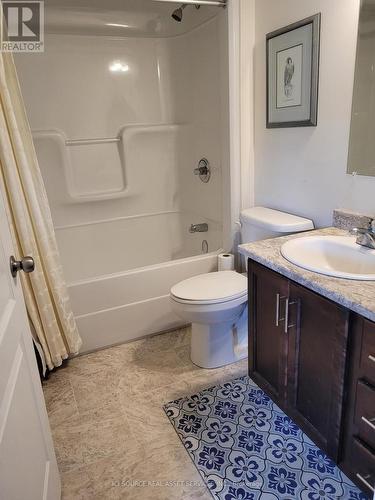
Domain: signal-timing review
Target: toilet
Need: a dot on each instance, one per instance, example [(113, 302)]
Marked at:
[(216, 303)]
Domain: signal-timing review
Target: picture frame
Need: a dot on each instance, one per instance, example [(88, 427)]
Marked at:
[(293, 74)]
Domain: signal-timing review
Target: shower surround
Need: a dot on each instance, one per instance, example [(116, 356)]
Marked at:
[(119, 124)]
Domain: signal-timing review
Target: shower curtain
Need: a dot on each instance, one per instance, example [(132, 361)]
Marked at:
[(45, 292)]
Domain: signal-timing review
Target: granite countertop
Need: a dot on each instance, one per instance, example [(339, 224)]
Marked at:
[(359, 296)]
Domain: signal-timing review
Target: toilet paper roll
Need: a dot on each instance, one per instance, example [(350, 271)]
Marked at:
[(225, 262)]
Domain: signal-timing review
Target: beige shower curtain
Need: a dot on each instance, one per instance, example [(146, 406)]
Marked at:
[(45, 291)]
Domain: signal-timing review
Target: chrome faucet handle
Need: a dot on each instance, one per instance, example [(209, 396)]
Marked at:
[(365, 236), (364, 230), (355, 231), (203, 170)]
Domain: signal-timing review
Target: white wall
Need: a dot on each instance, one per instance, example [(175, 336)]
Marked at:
[(197, 66), (303, 170), (246, 56)]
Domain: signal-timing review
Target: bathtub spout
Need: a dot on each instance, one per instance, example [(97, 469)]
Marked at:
[(198, 228)]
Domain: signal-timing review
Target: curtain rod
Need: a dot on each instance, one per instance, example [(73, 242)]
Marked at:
[(216, 3)]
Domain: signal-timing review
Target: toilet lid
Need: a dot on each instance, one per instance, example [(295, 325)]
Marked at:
[(211, 287)]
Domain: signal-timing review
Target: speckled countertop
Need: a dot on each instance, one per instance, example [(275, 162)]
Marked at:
[(359, 296)]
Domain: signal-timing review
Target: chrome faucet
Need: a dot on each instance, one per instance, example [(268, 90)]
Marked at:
[(198, 228), (365, 236)]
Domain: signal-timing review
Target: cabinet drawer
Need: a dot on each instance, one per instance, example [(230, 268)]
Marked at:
[(363, 466), (368, 352), (365, 413)]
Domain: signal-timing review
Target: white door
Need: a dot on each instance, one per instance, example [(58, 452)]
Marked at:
[(28, 468)]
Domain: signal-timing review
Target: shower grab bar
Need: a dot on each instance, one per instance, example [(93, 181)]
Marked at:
[(82, 142)]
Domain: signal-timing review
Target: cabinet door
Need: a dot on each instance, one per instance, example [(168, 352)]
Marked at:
[(268, 292), (318, 333)]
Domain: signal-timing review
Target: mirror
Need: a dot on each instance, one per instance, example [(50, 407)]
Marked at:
[(361, 159)]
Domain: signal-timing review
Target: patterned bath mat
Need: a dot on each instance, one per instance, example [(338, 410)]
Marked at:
[(246, 448)]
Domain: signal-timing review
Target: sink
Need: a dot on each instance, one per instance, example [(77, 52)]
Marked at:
[(338, 256)]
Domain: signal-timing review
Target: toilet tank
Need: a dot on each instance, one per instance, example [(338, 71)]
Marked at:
[(260, 223)]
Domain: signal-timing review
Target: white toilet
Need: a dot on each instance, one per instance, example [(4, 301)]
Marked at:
[(216, 303)]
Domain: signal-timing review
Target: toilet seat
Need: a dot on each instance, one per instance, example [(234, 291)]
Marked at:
[(211, 288)]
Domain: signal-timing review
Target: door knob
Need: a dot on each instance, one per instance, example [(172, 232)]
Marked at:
[(26, 264)]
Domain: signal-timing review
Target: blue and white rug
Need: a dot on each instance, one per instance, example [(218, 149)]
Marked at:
[(246, 448)]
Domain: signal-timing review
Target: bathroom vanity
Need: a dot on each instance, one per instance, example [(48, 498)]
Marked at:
[(312, 349)]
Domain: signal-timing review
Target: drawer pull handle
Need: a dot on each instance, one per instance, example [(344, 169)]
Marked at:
[(364, 480), (278, 319), (287, 304), (369, 421), (371, 358)]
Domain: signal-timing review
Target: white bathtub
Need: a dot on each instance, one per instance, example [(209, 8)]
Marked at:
[(119, 272)]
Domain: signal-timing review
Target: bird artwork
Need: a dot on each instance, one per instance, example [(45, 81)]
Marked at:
[(288, 75)]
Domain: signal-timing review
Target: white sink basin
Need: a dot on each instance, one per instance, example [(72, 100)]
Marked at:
[(338, 256)]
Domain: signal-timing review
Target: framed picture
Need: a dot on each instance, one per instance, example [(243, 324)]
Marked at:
[(293, 74)]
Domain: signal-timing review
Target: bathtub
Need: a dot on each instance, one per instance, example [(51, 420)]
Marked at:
[(119, 272)]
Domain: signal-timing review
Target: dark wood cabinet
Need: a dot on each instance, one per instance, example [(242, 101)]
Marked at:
[(268, 347), (317, 338), (358, 443), (364, 414), (297, 352), (316, 359)]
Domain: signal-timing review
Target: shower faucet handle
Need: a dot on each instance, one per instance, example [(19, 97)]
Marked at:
[(203, 170)]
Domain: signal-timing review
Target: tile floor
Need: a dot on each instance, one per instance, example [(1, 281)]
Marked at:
[(110, 432)]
